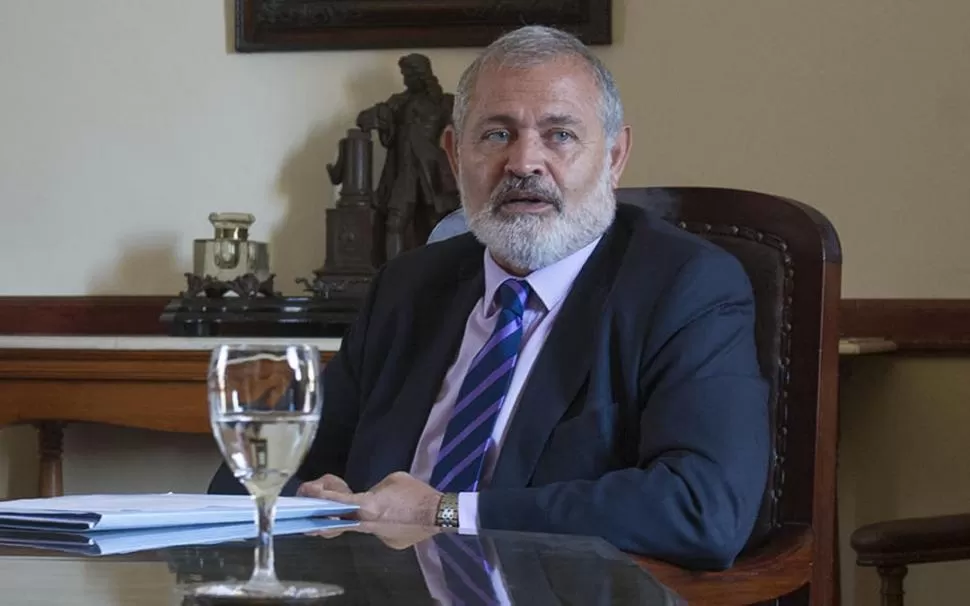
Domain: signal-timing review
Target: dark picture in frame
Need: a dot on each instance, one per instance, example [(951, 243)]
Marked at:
[(306, 25)]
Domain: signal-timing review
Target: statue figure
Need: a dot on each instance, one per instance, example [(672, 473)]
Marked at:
[(416, 187)]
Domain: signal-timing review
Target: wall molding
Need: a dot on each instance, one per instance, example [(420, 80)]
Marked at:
[(916, 325)]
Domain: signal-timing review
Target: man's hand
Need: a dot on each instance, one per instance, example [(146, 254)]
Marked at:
[(397, 499), (328, 483)]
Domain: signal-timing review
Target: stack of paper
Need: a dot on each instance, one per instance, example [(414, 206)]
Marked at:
[(103, 524)]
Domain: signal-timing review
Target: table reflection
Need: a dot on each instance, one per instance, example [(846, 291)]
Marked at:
[(377, 564)]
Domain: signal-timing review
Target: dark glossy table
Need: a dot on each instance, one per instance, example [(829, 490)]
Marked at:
[(377, 565)]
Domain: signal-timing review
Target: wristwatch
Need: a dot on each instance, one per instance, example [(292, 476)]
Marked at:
[(447, 514)]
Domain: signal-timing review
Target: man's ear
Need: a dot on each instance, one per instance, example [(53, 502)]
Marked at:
[(449, 142), (620, 153)]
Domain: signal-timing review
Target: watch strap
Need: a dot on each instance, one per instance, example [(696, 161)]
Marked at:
[(447, 514)]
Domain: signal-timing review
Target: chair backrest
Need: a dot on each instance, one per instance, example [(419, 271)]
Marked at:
[(451, 225), (792, 256)]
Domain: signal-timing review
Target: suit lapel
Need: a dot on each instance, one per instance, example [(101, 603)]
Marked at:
[(439, 325), (563, 364)]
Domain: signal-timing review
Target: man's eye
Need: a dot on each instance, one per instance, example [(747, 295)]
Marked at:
[(561, 136), (497, 135)]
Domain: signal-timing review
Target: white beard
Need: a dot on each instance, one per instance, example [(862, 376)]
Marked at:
[(529, 242)]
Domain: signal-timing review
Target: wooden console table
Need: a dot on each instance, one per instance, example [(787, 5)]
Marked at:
[(156, 383)]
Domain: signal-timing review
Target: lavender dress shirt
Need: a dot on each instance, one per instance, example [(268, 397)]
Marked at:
[(550, 286)]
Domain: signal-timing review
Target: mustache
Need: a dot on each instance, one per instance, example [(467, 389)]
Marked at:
[(514, 188)]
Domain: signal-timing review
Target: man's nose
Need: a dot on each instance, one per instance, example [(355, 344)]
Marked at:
[(526, 158)]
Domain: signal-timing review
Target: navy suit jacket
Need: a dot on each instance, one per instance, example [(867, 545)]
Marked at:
[(644, 419)]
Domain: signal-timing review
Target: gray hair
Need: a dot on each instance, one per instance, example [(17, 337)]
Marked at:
[(534, 45)]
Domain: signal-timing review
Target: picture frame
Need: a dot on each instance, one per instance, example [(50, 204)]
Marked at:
[(315, 25)]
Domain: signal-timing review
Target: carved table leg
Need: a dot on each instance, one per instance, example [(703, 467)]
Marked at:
[(892, 584), (50, 442)]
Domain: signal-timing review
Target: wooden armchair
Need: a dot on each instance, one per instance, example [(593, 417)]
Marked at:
[(893, 546), (793, 259)]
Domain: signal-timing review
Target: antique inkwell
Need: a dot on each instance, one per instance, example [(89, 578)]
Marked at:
[(230, 262), (230, 292)]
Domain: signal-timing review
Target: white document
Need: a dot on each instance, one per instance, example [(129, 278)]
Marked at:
[(85, 513), (110, 542)]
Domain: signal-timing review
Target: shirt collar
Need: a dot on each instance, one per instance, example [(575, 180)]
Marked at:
[(550, 284)]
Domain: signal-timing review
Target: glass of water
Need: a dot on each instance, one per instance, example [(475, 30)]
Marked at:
[(264, 406)]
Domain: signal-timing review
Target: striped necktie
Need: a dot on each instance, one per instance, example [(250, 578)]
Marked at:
[(481, 396)]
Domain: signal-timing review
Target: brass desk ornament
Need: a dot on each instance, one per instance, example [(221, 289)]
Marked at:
[(230, 263), (230, 292)]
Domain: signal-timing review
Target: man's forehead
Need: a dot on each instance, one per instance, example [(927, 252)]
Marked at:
[(556, 88), (550, 75)]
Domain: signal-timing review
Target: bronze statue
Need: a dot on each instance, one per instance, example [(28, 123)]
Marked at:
[(417, 187)]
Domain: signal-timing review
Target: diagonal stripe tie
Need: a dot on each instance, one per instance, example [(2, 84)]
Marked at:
[(482, 394)]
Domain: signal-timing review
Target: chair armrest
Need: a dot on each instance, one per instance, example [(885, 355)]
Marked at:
[(770, 571), (913, 541)]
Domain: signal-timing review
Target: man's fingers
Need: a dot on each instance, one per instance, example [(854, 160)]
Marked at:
[(332, 533), (328, 482), (334, 483), (317, 490), (368, 509), (327, 534), (347, 498)]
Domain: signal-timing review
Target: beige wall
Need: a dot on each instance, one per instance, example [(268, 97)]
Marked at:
[(125, 123)]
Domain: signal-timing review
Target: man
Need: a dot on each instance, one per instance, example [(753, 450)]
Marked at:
[(570, 366)]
